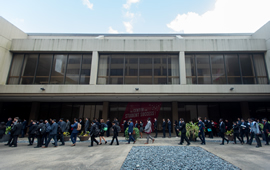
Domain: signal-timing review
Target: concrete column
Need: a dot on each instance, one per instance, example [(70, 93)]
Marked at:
[(267, 60), (34, 111), (174, 113), (94, 68), (105, 111), (245, 110), (182, 67)]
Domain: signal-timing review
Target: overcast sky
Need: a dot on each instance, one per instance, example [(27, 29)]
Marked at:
[(136, 16)]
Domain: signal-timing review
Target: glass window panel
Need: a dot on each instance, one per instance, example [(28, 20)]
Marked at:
[(73, 69), (58, 69), (191, 111), (116, 72), (77, 111), (86, 69), (173, 69), (29, 68), (203, 69), (232, 68), (15, 69), (190, 69), (103, 69), (260, 68), (131, 69), (145, 69), (218, 71), (66, 111), (160, 69), (247, 69), (43, 70)]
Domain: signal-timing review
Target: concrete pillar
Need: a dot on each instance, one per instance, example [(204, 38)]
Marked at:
[(94, 68), (245, 110), (105, 111), (182, 67), (34, 111), (174, 113)]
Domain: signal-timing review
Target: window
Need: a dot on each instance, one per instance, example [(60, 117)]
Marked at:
[(225, 69), (138, 69), (50, 69)]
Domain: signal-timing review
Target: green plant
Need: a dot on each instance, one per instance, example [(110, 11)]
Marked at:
[(261, 126), (81, 134), (8, 129), (136, 136), (192, 130), (66, 133), (229, 132)]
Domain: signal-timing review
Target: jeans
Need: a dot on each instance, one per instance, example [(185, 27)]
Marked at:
[(73, 137), (55, 140), (131, 137), (201, 136)]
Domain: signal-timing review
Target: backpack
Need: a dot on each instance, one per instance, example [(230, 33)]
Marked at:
[(118, 128), (97, 131), (42, 130), (105, 128), (79, 126)]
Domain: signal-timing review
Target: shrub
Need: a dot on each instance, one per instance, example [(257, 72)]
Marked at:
[(136, 136)]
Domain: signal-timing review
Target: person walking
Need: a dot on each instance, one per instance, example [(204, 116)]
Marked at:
[(170, 128), (32, 133), (125, 125), (141, 129), (101, 133), (255, 132), (155, 127), (130, 132), (236, 131), (201, 130), (94, 131), (63, 126), (74, 132), (148, 131), (53, 134), (68, 126), (222, 128), (115, 133), (183, 130), (244, 130), (46, 134), (24, 127), (109, 124), (164, 128), (266, 130), (41, 129), (87, 123), (15, 132)]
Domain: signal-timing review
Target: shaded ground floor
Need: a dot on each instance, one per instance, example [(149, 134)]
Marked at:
[(135, 110), (112, 157)]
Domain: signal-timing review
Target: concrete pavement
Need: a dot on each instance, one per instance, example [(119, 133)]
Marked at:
[(112, 157)]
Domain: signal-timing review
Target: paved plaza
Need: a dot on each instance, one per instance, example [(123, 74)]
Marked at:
[(112, 157)]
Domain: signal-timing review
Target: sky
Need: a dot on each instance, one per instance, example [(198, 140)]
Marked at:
[(136, 16)]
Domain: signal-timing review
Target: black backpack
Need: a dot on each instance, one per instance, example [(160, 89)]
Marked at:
[(118, 128), (96, 131), (42, 130)]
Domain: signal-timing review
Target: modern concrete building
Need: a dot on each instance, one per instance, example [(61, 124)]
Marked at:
[(134, 75)]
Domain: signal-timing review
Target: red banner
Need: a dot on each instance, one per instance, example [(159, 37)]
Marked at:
[(141, 112)]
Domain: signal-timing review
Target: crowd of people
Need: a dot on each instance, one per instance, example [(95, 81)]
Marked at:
[(46, 130)]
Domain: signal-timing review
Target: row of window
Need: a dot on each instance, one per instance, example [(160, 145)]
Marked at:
[(50, 69), (225, 69), (138, 69)]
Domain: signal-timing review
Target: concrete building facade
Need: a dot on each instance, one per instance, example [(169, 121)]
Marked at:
[(112, 75)]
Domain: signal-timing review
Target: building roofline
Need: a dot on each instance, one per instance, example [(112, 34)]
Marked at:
[(138, 35)]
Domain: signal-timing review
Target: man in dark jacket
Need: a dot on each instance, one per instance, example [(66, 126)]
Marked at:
[(209, 129), (24, 127), (222, 129), (93, 133), (46, 134), (53, 134), (9, 122), (164, 128), (266, 130), (130, 131), (201, 130), (40, 133), (87, 123), (183, 130), (63, 126), (244, 130), (125, 126), (109, 124), (115, 133), (155, 127), (15, 132), (32, 133)]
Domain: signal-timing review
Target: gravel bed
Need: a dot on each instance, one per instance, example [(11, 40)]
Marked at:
[(173, 157)]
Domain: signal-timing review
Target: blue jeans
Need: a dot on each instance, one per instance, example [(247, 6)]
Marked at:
[(73, 137), (201, 136), (131, 137)]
